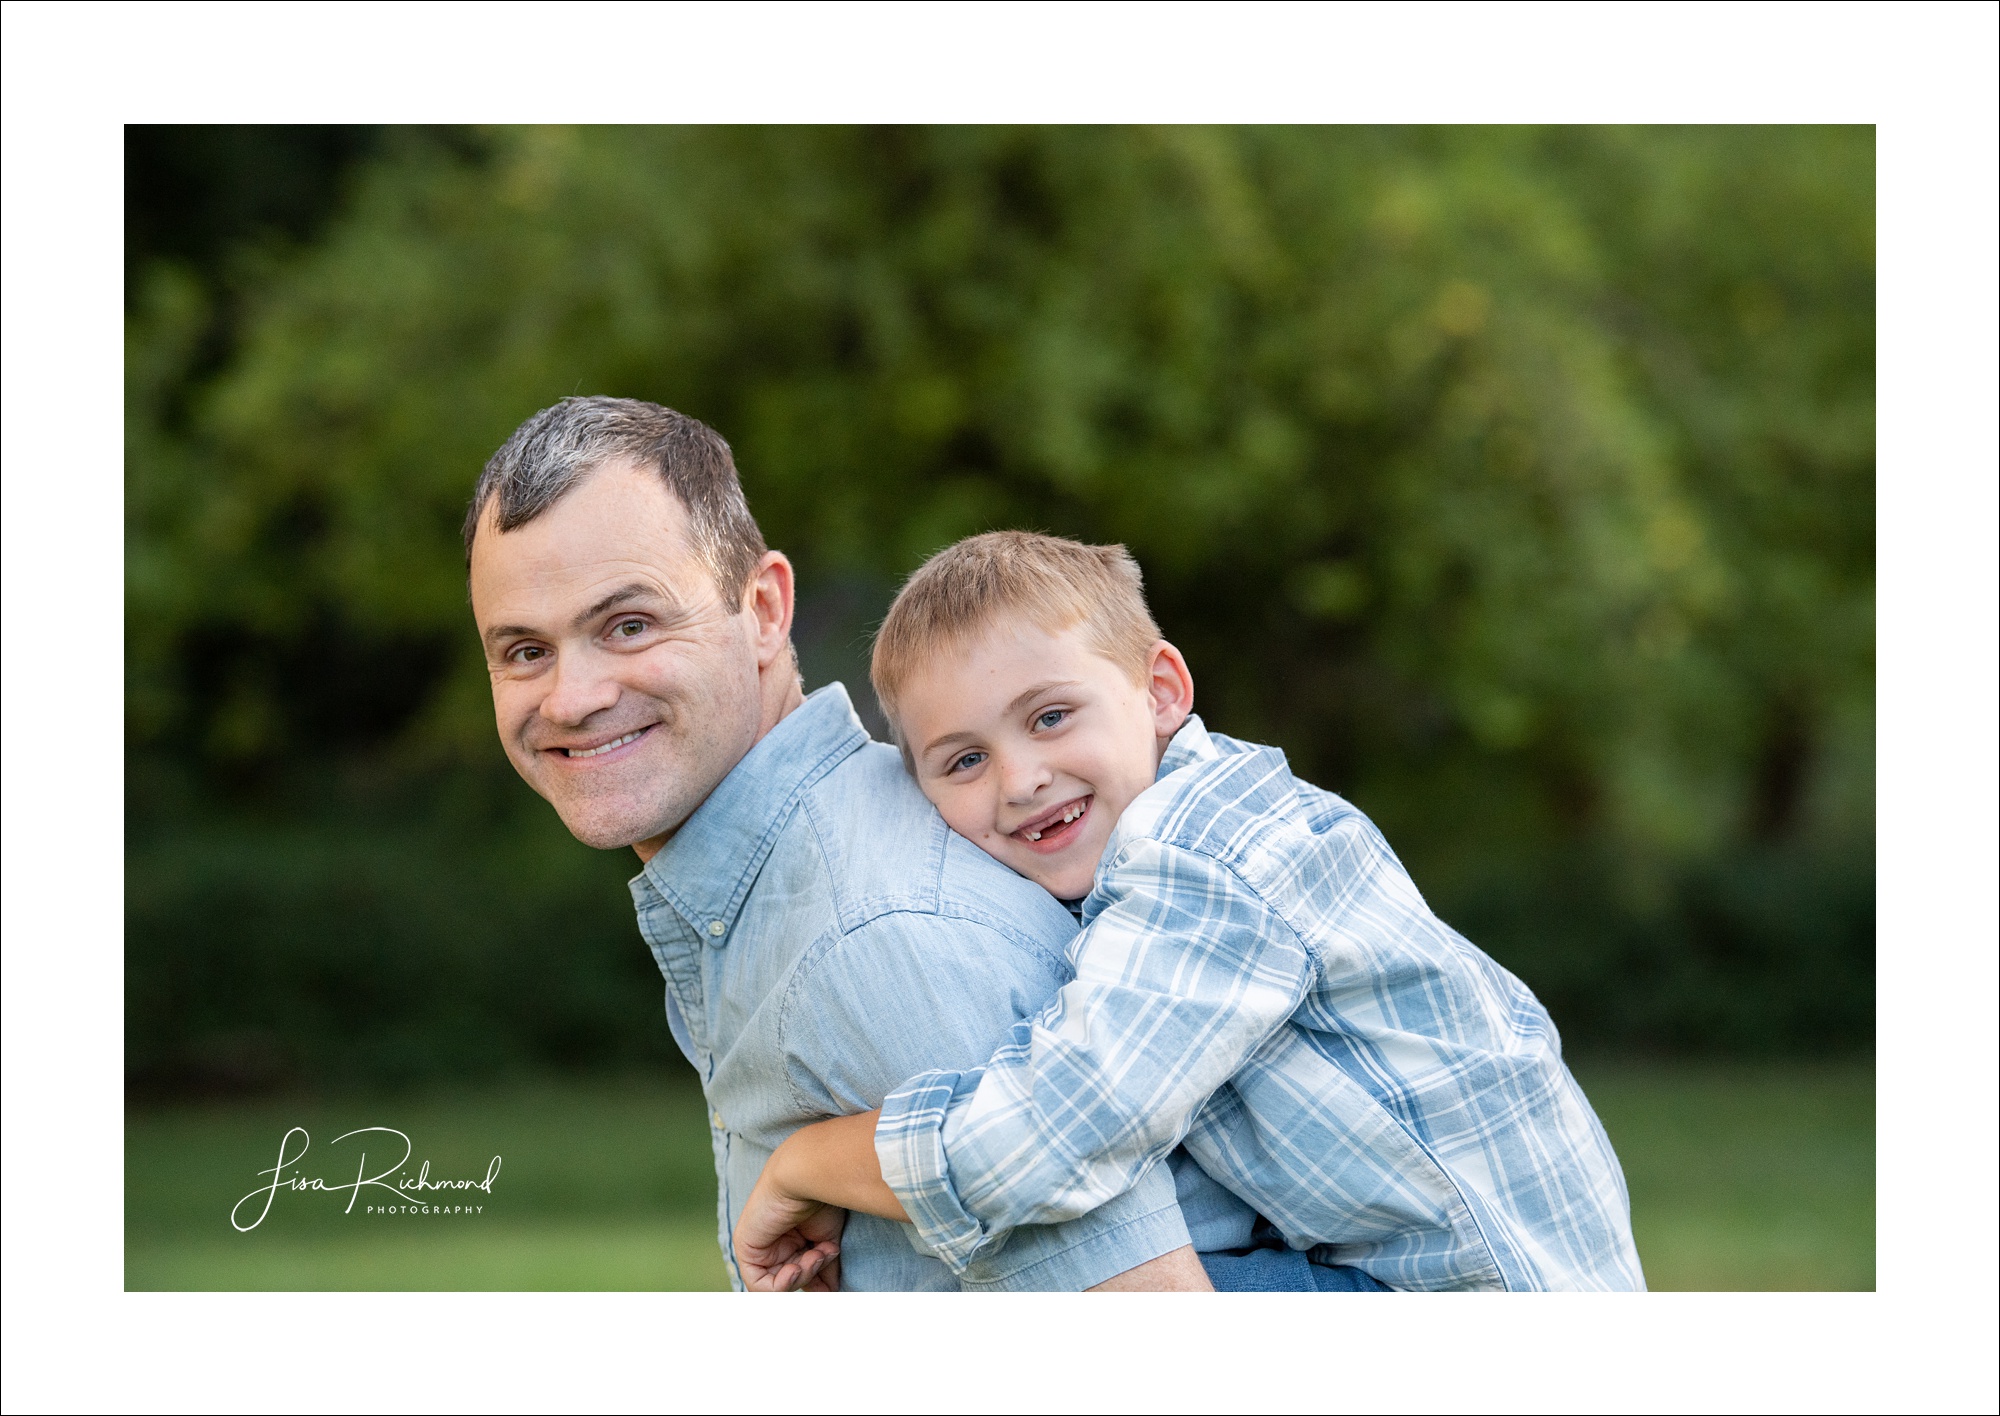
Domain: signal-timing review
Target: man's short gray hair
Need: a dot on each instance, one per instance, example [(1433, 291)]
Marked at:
[(561, 445)]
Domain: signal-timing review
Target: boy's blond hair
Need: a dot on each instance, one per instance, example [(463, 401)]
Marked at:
[(1054, 583)]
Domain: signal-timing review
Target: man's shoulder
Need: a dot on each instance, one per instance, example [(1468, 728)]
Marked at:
[(889, 855), (934, 951)]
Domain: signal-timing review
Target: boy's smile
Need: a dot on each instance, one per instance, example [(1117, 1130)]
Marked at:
[(1031, 743), (1054, 829)]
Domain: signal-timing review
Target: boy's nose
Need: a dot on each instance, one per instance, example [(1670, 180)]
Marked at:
[(1021, 780)]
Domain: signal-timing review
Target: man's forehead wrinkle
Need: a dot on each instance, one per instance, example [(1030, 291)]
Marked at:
[(633, 591), (634, 515), (547, 576), (552, 597)]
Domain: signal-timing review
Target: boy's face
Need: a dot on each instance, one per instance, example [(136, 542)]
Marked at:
[(1030, 744)]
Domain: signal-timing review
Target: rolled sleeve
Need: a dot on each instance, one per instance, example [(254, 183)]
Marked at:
[(909, 1145), (1141, 1224)]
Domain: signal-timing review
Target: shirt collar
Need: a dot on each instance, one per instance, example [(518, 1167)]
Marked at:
[(705, 870), (1191, 744)]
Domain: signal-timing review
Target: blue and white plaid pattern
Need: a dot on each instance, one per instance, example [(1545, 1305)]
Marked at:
[(1260, 979)]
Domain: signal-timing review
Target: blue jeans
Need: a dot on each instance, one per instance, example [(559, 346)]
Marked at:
[(1280, 1270)]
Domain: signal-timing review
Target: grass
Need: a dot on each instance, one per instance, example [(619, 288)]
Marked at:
[(1746, 1177), (1742, 1177), (601, 1186)]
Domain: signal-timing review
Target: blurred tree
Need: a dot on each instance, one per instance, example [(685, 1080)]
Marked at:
[(1519, 482)]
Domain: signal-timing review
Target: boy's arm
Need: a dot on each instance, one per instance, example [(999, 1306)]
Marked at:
[(1181, 976), (831, 1166), (911, 990), (832, 1162), (789, 1230)]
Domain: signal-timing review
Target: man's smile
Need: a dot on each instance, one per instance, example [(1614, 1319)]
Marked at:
[(602, 749)]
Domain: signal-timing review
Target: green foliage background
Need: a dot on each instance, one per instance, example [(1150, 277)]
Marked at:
[(1518, 482)]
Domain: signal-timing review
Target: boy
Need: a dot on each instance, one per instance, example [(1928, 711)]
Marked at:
[(1257, 980)]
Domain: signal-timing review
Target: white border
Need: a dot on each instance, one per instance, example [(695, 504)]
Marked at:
[(74, 73)]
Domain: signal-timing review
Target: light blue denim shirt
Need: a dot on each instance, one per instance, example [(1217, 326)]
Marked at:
[(824, 936)]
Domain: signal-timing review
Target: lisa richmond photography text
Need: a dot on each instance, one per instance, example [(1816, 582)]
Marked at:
[(389, 1188)]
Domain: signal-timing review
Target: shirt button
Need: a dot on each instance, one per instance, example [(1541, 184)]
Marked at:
[(716, 1117), (716, 929)]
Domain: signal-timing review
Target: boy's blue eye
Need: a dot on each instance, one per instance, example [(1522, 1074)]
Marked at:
[(1051, 718), (969, 760)]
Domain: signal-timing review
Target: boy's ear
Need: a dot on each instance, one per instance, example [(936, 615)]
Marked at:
[(1170, 687)]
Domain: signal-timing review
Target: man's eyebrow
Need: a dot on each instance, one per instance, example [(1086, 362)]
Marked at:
[(498, 632), (623, 595)]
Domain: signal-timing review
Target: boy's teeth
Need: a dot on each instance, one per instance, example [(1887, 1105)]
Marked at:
[(1068, 816)]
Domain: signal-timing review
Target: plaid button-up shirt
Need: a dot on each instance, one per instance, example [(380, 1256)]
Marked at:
[(1259, 979)]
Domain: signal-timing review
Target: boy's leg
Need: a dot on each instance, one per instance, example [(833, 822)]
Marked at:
[(1280, 1270), (1338, 1278), (1276, 1270)]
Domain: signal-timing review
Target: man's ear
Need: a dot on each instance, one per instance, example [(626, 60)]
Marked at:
[(768, 599), (1169, 687)]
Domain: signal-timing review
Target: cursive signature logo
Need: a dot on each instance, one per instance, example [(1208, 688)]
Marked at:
[(409, 1190)]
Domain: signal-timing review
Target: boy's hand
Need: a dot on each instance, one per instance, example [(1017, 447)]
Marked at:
[(789, 1234), (785, 1244)]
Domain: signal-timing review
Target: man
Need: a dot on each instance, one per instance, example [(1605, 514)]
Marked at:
[(822, 934)]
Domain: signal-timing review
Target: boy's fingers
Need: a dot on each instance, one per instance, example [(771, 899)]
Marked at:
[(785, 1247), (804, 1273), (765, 1272), (768, 1257), (807, 1268), (786, 1266)]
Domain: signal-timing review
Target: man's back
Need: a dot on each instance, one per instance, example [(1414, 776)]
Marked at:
[(824, 937)]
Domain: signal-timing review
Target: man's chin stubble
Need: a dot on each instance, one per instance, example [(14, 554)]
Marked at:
[(615, 819), (603, 835)]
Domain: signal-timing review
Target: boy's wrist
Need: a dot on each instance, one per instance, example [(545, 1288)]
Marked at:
[(833, 1162), (791, 1170)]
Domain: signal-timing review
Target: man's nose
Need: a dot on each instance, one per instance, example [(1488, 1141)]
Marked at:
[(578, 692)]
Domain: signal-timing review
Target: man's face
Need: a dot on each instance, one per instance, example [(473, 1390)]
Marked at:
[(624, 687)]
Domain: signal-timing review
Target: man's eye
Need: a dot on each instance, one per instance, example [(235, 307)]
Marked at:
[(966, 762), (1051, 718), (528, 654), (628, 628)]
